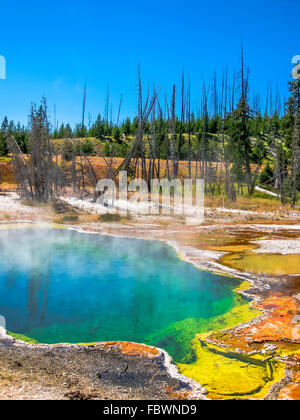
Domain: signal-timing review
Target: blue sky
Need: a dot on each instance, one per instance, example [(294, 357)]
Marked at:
[(51, 46)]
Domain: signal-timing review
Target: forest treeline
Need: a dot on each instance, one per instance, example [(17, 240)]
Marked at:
[(233, 144)]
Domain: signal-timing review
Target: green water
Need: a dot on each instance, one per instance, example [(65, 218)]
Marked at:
[(65, 286)]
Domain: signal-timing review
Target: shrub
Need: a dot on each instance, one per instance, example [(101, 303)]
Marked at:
[(266, 175), (70, 217), (107, 217)]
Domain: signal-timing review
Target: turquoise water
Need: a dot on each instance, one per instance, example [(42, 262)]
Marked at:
[(58, 285)]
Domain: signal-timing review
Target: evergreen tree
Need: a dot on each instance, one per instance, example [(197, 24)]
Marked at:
[(296, 159), (97, 129), (240, 142), (61, 132), (293, 104), (3, 133), (67, 150), (68, 132), (4, 126), (116, 132), (80, 131), (126, 127), (21, 136)]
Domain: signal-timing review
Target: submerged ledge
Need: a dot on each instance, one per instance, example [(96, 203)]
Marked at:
[(186, 387)]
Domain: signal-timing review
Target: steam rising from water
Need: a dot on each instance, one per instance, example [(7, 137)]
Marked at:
[(58, 285), (2, 322)]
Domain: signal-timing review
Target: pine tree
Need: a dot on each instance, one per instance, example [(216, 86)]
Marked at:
[(68, 132), (4, 126), (240, 143), (296, 158), (3, 133), (97, 129), (61, 132), (293, 104), (126, 127), (41, 162), (292, 133), (116, 132)]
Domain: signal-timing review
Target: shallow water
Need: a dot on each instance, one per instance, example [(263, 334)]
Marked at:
[(59, 285), (264, 264)]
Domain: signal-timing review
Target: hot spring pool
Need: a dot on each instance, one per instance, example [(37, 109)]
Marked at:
[(58, 285)]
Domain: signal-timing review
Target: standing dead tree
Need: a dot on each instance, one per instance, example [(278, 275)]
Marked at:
[(21, 167), (38, 175), (205, 136), (189, 127), (181, 130), (83, 106), (172, 128), (137, 152)]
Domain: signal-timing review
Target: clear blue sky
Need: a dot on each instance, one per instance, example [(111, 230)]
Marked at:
[(51, 46)]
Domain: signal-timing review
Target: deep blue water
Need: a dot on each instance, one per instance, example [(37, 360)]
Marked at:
[(58, 285)]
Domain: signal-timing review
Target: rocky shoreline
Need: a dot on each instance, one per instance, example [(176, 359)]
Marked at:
[(115, 370)]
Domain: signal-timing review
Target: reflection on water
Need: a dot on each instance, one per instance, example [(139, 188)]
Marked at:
[(64, 286)]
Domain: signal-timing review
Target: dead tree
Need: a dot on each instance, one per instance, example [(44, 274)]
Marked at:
[(295, 157), (21, 167), (137, 152), (189, 127), (36, 175), (172, 128), (83, 106)]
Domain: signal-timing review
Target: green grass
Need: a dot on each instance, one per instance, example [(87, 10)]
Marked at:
[(70, 217), (107, 217), (33, 203)]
